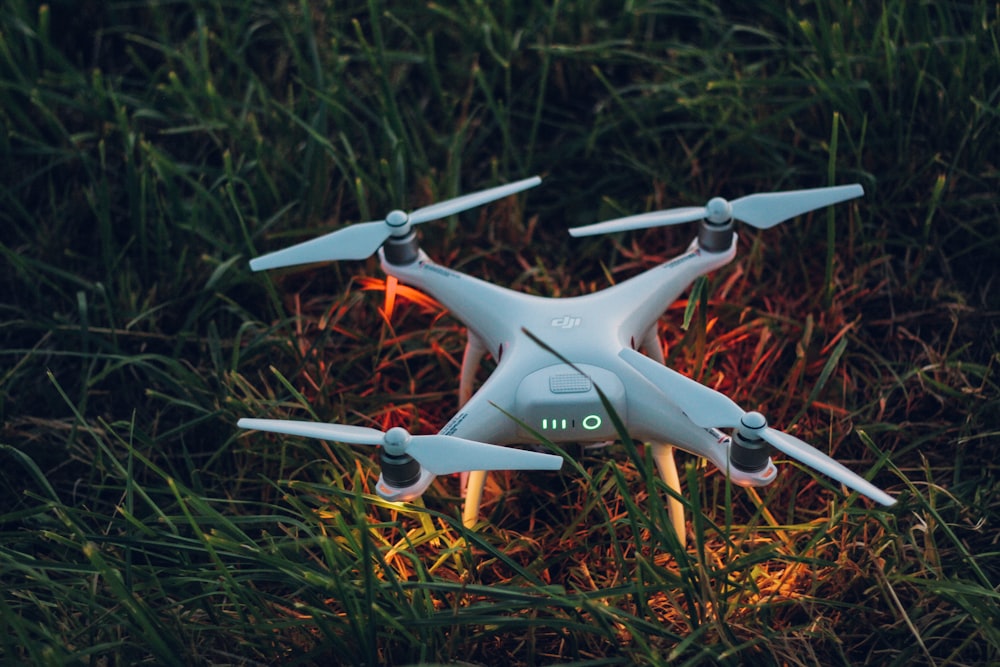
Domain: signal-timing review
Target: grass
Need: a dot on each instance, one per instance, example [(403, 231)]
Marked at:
[(150, 149)]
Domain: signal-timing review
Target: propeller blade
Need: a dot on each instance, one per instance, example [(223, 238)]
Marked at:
[(703, 405), (354, 435), (674, 216), (359, 241), (445, 454), (805, 453), (766, 210), (465, 202), (439, 454), (362, 240)]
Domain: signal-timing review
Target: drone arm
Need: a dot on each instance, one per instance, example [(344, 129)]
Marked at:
[(654, 418), (482, 417), (704, 406), (647, 295), (483, 307)]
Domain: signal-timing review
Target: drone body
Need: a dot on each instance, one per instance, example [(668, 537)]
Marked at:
[(562, 361), (532, 391)]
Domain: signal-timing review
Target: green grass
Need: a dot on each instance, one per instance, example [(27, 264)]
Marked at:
[(150, 149)]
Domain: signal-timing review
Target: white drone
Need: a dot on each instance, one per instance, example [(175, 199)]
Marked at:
[(596, 337)]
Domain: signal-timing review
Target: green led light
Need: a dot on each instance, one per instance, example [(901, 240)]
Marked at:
[(590, 423)]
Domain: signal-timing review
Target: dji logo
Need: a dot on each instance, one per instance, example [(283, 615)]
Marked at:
[(566, 322)]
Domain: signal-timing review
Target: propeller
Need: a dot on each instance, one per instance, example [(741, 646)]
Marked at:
[(439, 454), (708, 408), (362, 240), (762, 210)]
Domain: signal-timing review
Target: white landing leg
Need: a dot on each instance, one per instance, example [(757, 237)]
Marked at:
[(472, 483), (663, 453), (473, 497), (667, 465), (475, 350)]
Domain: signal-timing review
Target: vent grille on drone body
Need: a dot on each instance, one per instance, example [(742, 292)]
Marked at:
[(569, 383)]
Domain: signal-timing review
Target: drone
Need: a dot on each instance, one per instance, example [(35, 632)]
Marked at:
[(568, 368)]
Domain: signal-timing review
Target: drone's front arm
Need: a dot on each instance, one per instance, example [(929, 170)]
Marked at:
[(486, 309), (644, 298), (653, 417)]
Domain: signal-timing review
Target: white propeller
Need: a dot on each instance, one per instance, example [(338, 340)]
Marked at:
[(362, 240), (439, 454), (762, 210), (708, 408)]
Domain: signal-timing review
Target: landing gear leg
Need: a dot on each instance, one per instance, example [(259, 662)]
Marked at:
[(663, 454)]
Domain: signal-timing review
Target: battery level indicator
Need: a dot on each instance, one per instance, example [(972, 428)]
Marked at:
[(591, 422)]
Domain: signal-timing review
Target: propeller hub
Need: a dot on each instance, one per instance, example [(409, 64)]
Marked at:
[(749, 451), (719, 211), (395, 441), (751, 425), (397, 218)]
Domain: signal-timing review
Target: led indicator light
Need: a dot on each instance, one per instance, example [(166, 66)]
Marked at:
[(591, 422)]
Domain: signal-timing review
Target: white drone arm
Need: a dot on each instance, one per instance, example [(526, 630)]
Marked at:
[(654, 418), (489, 310), (708, 408)]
